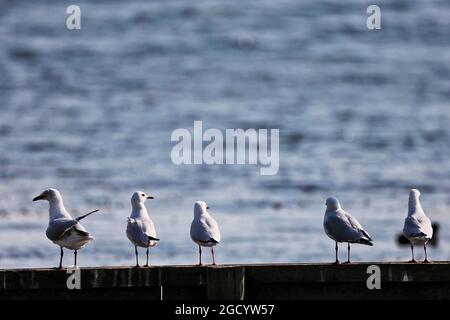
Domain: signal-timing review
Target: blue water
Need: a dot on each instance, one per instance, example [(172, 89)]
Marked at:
[(363, 115)]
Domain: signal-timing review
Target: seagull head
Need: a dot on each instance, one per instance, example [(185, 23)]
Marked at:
[(140, 197), (332, 204), (414, 195), (200, 207), (49, 195)]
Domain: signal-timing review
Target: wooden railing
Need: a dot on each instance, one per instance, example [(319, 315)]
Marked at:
[(235, 282)]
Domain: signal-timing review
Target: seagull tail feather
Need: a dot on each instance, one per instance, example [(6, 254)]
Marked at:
[(365, 241), (150, 238), (211, 240), (420, 235), (87, 214)]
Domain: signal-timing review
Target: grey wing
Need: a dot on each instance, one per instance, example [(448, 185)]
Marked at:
[(58, 228), (148, 228), (355, 224), (427, 227), (135, 232), (339, 228), (200, 231), (213, 229)]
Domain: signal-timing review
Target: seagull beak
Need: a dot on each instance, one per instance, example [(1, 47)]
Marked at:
[(150, 197), (40, 197)]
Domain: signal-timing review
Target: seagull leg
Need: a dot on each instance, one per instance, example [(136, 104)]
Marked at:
[(60, 258), (425, 249), (75, 254), (146, 265), (412, 253), (348, 253), (199, 255), (213, 257), (336, 248), (137, 258)]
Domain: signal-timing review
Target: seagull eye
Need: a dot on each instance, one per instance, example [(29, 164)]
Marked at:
[(143, 195)]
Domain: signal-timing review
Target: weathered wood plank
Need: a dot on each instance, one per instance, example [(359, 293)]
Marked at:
[(233, 282), (226, 283)]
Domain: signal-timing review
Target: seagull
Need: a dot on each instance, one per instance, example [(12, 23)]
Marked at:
[(204, 230), (62, 229), (140, 229), (417, 226), (341, 226)]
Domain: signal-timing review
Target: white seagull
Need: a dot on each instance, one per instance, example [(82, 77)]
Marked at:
[(140, 228), (341, 226), (62, 229), (417, 226), (204, 230)]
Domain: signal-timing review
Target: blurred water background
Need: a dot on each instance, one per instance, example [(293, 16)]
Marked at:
[(363, 115)]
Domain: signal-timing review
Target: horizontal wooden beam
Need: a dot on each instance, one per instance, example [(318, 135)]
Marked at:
[(269, 281)]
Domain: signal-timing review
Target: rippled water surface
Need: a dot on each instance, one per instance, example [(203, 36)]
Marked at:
[(363, 115)]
